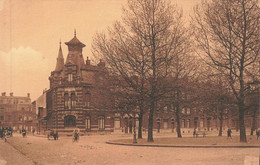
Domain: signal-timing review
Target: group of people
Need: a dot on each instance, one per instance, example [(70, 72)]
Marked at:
[(4, 132), (53, 133)]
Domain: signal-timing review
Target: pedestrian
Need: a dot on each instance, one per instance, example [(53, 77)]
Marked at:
[(257, 133), (5, 134), (76, 134), (229, 133), (194, 133), (23, 132), (204, 133), (33, 131), (1, 133)]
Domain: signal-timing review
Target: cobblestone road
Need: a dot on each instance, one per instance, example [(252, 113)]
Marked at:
[(93, 150)]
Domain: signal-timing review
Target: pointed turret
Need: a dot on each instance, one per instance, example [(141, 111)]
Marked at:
[(60, 60)]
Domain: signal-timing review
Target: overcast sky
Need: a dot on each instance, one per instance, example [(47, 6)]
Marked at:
[(32, 29)]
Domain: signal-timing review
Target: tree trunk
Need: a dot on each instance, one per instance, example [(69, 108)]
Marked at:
[(150, 123), (178, 129), (220, 127), (241, 123), (140, 126), (221, 120), (177, 113)]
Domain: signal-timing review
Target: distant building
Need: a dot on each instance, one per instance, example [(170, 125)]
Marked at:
[(39, 106), (16, 112)]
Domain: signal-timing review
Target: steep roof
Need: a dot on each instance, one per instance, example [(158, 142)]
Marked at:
[(74, 41), (60, 60)]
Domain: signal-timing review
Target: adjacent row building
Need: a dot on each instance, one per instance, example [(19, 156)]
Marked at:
[(16, 112)]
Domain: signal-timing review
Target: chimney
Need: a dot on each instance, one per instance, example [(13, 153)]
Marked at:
[(87, 61), (3, 94), (28, 95), (101, 63), (11, 94)]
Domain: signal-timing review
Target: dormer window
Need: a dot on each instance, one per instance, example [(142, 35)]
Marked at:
[(70, 77)]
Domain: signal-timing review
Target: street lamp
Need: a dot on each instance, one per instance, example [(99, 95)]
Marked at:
[(158, 123), (172, 122)]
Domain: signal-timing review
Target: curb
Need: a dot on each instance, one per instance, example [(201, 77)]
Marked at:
[(173, 146)]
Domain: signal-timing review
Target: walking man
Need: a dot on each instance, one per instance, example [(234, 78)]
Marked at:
[(229, 133)]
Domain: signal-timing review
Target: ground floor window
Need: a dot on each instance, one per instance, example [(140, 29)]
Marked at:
[(69, 121), (87, 122), (117, 123), (165, 124), (137, 123), (183, 123), (188, 123), (101, 122), (201, 123)]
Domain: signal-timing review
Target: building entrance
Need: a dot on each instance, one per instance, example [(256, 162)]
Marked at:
[(69, 121)]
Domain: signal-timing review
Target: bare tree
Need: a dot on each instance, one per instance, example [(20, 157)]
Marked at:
[(216, 99), (227, 32), (144, 45)]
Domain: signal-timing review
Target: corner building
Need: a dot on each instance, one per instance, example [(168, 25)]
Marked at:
[(78, 96)]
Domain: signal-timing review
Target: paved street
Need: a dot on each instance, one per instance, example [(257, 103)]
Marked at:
[(9, 155), (93, 150)]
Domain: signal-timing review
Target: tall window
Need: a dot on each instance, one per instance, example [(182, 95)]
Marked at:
[(87, 99), (165, 123), (87, 122), (183, 110), (201, 123), (66, 100), (188, 123), (188, 110), (117, 123), (183, 123), (70, 77), (73, 100), (101, 122)]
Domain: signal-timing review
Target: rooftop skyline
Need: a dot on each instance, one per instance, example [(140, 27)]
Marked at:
[(32, 29)]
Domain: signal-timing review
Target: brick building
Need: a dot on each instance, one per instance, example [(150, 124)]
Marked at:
[(78, 96), (16, 112)]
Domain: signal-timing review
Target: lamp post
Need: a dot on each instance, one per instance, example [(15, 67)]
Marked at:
[(172, 122), (158, 123)]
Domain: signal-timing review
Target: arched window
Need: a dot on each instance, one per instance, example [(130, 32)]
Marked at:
[(66, 100), (69, 121), (73, 100)]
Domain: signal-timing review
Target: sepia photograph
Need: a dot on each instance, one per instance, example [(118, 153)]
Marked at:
[(129, 82)]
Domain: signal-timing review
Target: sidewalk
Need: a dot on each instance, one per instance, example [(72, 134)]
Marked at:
[(190, 142)]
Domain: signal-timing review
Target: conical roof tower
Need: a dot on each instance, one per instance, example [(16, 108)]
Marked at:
[(60, 60)]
